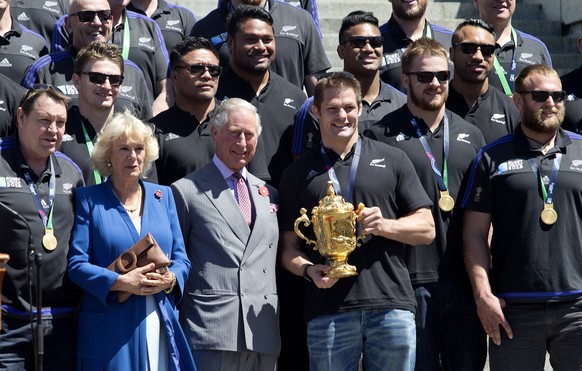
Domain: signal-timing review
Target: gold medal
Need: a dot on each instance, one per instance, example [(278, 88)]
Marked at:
[(49, 241), (549, 215), (446, 202)]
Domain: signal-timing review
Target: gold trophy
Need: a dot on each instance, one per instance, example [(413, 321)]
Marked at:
[(334, 224)]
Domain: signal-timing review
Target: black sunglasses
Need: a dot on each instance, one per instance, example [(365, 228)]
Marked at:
[(427, 76), (360, 41), (38, 88), (541, 96), (89, 15), (99, 78), (198, 70), (471, 48)]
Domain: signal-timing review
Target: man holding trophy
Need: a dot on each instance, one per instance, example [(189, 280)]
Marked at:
[(371, 311)]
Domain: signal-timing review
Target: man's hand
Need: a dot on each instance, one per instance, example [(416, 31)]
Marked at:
[(317, 274), (490, 311)]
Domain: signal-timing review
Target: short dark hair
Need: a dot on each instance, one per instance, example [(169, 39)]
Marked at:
[(355, 18), (423, 47), (533, 69), (243, 13), (473, 22), (97, 51), (187, 45), (38, 90), (336, 80)]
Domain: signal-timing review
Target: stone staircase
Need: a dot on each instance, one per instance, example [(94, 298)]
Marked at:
[(528, 18)]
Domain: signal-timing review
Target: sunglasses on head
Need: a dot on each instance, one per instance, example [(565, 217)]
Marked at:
[(360, 41), (427, 76), (541, 96), (198, 70), (38, 88), (471, 48), (89, 15), (99, 78)]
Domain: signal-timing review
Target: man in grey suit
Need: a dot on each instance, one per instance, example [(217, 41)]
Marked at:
[(229, 221)]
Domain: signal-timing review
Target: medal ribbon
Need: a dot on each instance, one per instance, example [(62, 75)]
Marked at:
[(89, 144), (442, 179), (508, 86), (353, 169), (46, 221), (547, 194)]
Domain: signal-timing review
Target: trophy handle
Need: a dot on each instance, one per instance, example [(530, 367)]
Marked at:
[(363, 235), (303, 218)]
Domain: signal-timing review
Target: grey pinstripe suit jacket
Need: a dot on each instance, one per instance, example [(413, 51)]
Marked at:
[(230, 299)]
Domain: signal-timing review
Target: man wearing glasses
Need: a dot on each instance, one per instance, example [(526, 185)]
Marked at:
[(527, 283), (470, 95), (441, 146), (360, 48), (38, 183), (88, 21)]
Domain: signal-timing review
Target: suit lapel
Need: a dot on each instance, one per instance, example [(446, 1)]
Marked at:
[(261, 205), (214, 186)]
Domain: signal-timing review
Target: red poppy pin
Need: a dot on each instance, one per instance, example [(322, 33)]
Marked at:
[(158, 195), (264, 191)]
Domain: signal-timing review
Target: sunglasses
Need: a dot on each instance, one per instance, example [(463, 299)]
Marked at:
[(198, 70), (360, 41), (471, 48), (99, 78), (427, 76), (541, 96), (86, 16)]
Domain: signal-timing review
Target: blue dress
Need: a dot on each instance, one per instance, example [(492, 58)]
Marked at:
[(112, 335)]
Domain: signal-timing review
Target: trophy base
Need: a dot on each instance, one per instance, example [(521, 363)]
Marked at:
[(341, 271)]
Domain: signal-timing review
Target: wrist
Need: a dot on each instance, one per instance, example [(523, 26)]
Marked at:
[(172, 284), (306, 275)]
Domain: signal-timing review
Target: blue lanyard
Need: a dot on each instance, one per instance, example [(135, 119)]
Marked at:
[(353, 170), (47, 221), (508, 86), (547, 194), (441, 178)]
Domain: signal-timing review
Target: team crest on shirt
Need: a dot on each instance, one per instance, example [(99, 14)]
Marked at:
[(288, 103), (173, 24), (462, 137), (171, 136), (400, 137), (2, 105), (27, 50), (525, 58), (125, 92), (67, 188), (576, 165), (379, 162), (10, 182), (50, 6), (312, 174), (498, 118), (509, 166), (67, 138), (146, 42), (288, 31)]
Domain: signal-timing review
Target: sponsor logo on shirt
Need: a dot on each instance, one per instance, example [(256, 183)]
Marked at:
[(391, 59), (509, 166), (125, 92), (67, 188), (27, 50), (67, 138), (288, 103), (171, 136), (462, 137), (68, 89), (311, 174), (498, 118), (400, 137), (576, 165), (23, 17), (173, 24), (10, 182), (146, 42), (378, 162), (287, 31), (5, 63), (50, 6)]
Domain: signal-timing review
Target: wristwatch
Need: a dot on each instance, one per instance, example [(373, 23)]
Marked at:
[(305, 274)]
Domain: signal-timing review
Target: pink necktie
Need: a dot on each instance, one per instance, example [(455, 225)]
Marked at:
[(244, 201)]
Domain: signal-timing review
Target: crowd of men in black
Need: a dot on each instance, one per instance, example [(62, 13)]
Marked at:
[(457, 254)]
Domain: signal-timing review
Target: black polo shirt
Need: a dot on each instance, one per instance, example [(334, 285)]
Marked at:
[(145, 46), (494, 113), (573, 117), (39, 15), (571, 83), (10, 96), (14, 192), (441, 260), (306, 133), (395, 41), (57, 69), (277, 105), (530, 50), (185, 144), (19, 48), (383, 281), (174, 21), (531, 261), (300, 50)]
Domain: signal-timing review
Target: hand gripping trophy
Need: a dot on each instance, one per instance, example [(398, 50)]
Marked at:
[(334, 225)]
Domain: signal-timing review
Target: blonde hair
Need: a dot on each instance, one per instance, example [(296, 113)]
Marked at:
[(123, 125)]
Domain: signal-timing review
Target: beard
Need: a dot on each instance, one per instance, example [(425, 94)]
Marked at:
[(433, 105), (532, 119), (412, 14)]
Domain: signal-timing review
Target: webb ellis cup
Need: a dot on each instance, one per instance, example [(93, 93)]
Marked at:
[(334, 225)]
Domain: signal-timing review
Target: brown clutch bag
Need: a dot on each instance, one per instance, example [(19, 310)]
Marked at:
[(142, 253)]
